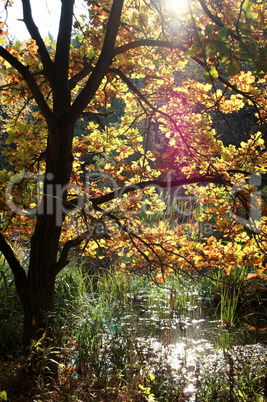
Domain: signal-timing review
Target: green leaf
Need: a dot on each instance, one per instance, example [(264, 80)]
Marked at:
[(251, 16), (10, 138), (247, 5), (248, 11), (211, 75), (233, 67), (3, 395), (223, 34), (224, 50), (209, 29), (211, 49), (194, 50), (260, 73)]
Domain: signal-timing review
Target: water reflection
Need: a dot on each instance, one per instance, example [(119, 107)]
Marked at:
[(191, 358), (192, 341)]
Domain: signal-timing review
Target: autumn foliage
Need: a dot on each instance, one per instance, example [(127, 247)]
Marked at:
[(153, 95)]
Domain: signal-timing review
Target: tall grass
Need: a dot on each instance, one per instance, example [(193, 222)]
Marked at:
[(107, 326)]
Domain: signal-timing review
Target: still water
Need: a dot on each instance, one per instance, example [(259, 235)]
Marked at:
[(189, 337)]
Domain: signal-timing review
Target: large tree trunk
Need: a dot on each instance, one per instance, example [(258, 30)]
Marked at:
[(40, 284), (39, 303)]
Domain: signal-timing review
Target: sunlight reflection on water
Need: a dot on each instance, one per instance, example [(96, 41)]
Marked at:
[(187, 355)]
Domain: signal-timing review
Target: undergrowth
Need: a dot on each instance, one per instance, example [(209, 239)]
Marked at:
[(117, 341)]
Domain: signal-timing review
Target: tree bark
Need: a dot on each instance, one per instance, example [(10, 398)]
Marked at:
[(39, 304), (40, 283)]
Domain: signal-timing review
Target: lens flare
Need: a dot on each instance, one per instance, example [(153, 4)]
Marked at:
[(178, 6)]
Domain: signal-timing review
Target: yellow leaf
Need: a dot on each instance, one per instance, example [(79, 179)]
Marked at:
[(161, 224)]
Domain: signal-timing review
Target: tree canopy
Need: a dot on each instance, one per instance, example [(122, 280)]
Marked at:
[(115, 141)]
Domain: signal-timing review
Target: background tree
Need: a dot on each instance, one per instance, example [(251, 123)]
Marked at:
[(119, 44)]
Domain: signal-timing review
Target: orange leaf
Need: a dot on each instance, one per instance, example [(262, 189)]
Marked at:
[(250, 327), (251, 276)]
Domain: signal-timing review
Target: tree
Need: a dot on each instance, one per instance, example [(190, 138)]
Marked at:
[(117, 44)]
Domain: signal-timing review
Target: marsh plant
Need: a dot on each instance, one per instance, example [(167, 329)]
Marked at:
[(118, 335)]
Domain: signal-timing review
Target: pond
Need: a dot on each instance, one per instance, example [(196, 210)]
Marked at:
[(191, 338), (202, 348)]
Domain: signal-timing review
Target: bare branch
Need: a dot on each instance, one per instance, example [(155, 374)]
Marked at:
[(35, 34), (24, 71), (101, 67), (16, 267), (131, 234)]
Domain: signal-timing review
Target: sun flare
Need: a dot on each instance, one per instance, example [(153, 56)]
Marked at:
[(178, 6)]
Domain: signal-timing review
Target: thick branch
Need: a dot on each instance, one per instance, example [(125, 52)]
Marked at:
[(155, 183), (144, 42), (64, 37), (154, 43), (131, 86), (80, 75), (16, 267), (63, 259), (24, 71), (35, 34), (101, 67)]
